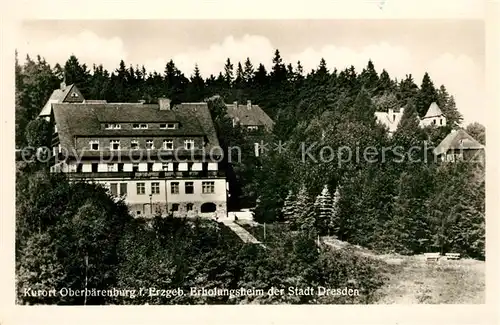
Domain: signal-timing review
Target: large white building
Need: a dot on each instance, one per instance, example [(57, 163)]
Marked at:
[(160, 158), (391, 119)]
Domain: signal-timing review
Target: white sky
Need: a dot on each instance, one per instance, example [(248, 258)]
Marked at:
[(452, 51)]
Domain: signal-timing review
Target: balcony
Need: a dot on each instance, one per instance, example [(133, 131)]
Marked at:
[(148, 175)]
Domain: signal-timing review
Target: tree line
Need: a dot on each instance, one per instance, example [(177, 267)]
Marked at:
[(404, 207)]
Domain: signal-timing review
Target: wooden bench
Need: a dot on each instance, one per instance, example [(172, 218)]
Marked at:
[(431, 257), (452, 256)]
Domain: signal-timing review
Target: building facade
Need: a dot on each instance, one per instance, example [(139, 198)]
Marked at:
[(458, 145), (253, 119), (160, 158), (391, 119)]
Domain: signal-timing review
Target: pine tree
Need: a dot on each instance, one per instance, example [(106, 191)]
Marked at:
[(408, 90), (248, 71), (228, 72), (278, 73), (369, 77), (288, 210), (240, 78), (305, 220), (363, 109), (453, 116), (324, 209), (334, 221), (426, 95), (384, 84)]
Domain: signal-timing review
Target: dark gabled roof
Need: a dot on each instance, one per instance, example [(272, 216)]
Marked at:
[(58, 96), (457, 140), (85, 120), (248, 115)]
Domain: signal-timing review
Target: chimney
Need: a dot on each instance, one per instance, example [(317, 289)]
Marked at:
[(392, 116), (164, 104), (235, 103), (249, 104), (62, 85)]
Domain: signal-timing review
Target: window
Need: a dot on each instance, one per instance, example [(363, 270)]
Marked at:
[(164, 166), (135, 126), (94, 145), (115, 145), (111, 167), (174, 187), (189, 144), (94, 167), (141, 188), (135, 167), (55, 128), (208, 187), (175, 207), (189, 206), (123, 188), (169, 126), (138, 212), (189, 188), (108, 126), (134, 144), (143, 126), (252, 128), (434, 122), (168, 144), (155, 188), (150, 144), (393, 117), (114, 188), (440, 121), (74, 95)]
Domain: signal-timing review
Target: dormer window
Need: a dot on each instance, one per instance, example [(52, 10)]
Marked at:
[(109, 126), (143, 126), (134, 144), (74, 95), (150, 144), (114, 145), (94, 145), (252, 128), (189, 144), (168, 126), (135, 126)]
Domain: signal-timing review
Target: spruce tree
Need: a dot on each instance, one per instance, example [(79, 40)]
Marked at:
[(303, 219), (334, 221), (426, 95), (288, 210), (324, 208), (248, 71), (228, 72)]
